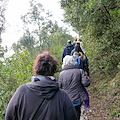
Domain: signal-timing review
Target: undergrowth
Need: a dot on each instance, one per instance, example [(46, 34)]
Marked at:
[(107, 90)]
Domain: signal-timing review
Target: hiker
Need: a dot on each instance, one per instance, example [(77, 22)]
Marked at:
[(81, 44), (74, 42), (70, 82), (67, 50), (80, 41), (77, 44), (86, 65), (41, 99), (81, 59)]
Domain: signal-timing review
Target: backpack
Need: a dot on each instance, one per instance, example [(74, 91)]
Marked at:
[(78, 59), (68, 50), (85, 62), (85, 81)]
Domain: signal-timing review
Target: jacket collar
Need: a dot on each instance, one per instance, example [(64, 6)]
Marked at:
[(41, 77), (70, 67)]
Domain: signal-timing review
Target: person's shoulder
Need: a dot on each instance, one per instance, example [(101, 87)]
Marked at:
[(22, 88), (69, 45), (62, 92)]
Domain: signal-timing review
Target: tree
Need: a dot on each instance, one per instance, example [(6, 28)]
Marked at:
[(40, 22), (14, 71), (99, 22), (3, 4), (37, 21), (28, 41)]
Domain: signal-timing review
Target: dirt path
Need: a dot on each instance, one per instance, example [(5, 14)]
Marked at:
[(104, 99), (96, 111), (99, 109)]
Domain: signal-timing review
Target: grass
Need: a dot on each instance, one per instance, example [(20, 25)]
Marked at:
[(107, 90)]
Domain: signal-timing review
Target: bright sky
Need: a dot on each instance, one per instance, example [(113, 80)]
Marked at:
[(16, 8)]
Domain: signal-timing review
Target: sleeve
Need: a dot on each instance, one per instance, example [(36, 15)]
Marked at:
[(11, 111)]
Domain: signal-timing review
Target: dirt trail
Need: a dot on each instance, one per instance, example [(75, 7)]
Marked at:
[(96, 111), (99, 109)]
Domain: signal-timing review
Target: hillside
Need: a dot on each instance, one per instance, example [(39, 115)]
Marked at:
[(104, 98)]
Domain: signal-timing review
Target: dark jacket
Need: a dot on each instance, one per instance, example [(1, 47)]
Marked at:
[(29, 97), (67, 50), (70, 81)]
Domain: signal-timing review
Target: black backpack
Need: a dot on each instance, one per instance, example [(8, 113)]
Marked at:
[(68, 50)]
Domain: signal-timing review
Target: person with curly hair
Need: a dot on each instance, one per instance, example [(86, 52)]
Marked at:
[(41, 99)]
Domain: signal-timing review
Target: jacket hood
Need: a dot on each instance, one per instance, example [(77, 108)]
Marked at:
[(43, 86), (70, 67), (69, 45)]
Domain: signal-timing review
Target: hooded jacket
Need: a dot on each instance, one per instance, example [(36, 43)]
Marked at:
[(28, 97), (67, 50), (70, 82)]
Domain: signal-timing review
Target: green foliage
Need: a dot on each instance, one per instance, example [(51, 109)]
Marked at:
[(44, 35), (107, 90), (118, 65), (40, 19), (28, 41), (3, 50), (99, 23), (57, 52), (14, 72)]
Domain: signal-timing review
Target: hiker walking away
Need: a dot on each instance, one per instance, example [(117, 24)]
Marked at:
[(81, 43), (81, 59), (74, 42), (80, 50), (70, 81), (41, 99), (67, 50)]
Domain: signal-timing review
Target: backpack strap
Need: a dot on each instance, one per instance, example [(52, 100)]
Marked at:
[(81, 74), (41, 109)]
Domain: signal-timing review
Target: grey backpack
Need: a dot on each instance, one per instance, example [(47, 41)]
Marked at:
[(85, 81)]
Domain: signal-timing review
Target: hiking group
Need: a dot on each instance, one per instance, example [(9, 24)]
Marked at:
[(45, 97)]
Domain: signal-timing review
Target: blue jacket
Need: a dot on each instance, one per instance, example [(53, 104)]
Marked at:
[(82, 63), (79, 62), (72, 52)]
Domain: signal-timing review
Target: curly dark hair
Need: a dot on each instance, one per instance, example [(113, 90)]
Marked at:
[(45, 64)]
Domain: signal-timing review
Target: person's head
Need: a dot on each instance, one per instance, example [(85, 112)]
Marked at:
[(68, 60), (75, 39), (79, 39), (78, 48), (77, 43), (45, 64), (69, 42)]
